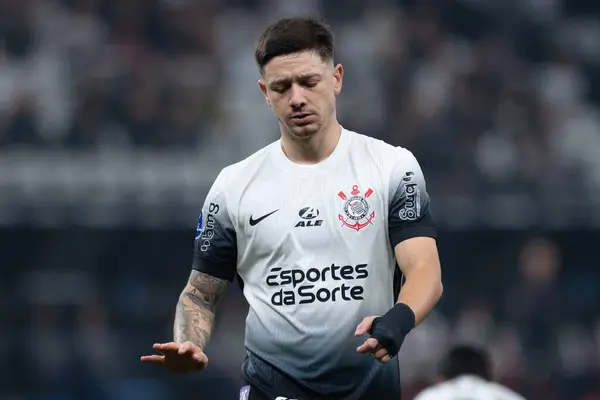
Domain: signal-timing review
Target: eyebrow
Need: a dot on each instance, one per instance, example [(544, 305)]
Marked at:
[(300, 77)]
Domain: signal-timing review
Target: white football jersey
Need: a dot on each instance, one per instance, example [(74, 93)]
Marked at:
[(313, 245), (468, 388)]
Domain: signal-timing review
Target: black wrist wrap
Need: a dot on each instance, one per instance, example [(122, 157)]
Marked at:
[(391, 328)]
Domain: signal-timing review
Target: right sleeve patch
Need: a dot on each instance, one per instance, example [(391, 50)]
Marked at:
[(215, 245)]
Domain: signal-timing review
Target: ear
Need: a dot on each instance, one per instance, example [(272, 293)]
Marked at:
[(338, 78), (263, 88)]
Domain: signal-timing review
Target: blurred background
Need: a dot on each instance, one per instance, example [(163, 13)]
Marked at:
[(116, 116)]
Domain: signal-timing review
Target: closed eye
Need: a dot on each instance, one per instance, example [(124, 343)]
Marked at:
[(279, 88)]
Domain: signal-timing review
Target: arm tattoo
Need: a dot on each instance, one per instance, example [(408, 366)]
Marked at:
[(195, 313)]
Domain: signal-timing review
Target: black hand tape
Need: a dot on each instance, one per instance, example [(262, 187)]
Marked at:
[(391, 328)]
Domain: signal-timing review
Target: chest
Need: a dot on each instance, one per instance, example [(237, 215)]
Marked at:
[(283, 218)]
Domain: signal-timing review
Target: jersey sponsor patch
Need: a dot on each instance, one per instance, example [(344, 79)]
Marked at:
[(199, 227), (308, 217), (356, 209), (330, 284), (411, 209)]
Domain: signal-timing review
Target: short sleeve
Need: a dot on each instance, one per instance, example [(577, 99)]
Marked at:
[(215, 245), (409, 207)]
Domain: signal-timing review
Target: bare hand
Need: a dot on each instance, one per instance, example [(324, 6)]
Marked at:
[(178, 358), (371, 345)]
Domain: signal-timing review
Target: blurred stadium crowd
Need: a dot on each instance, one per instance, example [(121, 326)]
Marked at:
[(498, 99)]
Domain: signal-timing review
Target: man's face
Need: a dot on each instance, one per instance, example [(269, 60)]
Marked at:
[(301, 89)]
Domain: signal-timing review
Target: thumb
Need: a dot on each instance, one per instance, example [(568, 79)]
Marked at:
[(364, 326), (201, 361), (200, 357)]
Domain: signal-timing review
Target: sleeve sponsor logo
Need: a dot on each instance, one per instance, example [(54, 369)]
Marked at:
[(206, 232), (411, 209)]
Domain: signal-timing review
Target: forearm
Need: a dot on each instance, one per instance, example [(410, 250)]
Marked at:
[(421, 292), (194, 320), (417, 298), (195, 313)]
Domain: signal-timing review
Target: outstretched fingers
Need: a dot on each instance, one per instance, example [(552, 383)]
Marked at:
[(162, 347), (154, 359)]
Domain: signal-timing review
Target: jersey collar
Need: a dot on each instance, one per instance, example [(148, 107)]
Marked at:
[(338, 154)]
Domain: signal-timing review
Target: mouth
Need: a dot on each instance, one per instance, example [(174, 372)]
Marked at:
[(302, 117)]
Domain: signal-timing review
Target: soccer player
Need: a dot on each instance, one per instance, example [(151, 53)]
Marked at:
[(465, 374), (313, 225)]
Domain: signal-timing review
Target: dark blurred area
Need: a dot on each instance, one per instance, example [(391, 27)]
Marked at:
[(116, 116), (80, 306)]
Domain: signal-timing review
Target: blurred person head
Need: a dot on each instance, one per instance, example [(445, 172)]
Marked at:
[(539, 261), (300, 81), (465, 360)]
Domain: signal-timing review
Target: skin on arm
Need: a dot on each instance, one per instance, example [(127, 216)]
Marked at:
[(213, 266), (194, 321), (196, 308), (420, 264)]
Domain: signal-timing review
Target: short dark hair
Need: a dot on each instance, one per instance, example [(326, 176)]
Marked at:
[(465, 360), (294, 35)]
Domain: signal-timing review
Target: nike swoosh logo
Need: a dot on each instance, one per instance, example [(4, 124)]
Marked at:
[(257, 220)]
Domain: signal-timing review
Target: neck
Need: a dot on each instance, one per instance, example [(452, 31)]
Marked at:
[(314, 149)]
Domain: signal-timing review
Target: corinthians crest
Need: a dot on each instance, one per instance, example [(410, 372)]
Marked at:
[(356, 209)]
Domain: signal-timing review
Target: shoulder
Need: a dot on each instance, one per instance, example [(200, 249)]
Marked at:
[(387, 156), (458, 386), (437, 392), (504, 392)]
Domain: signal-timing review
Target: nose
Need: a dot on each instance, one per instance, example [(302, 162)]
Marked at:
[(297, 96)]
